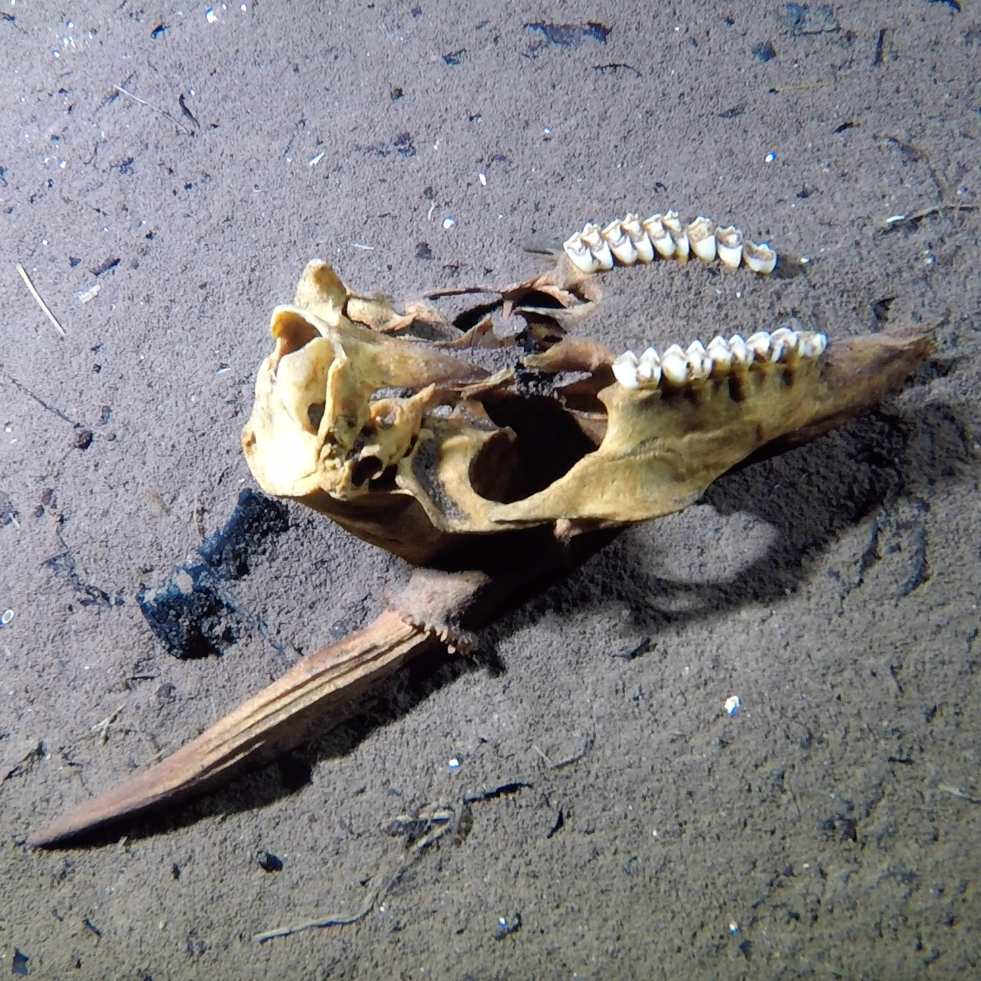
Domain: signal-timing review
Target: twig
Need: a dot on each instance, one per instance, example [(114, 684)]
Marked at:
[(957, 792), (322, 923), (894, 221), (150, 105), (40, 302)]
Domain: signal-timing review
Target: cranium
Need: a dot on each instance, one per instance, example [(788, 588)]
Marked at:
[(418, 446)]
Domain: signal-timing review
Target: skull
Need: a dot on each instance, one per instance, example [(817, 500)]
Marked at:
[(418, 446)]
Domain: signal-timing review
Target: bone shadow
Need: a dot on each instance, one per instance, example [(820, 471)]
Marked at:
[(808, 496)]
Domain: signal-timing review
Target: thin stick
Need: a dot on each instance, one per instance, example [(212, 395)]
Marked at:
[(40, 302), (323, 922), (150, 105), (895, 220)]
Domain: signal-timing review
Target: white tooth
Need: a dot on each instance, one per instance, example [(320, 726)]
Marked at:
[(674, 365), (625, 369), (620, 244), (701, 234), (660, 237), (730, 244), (783, 340), (578, 251), (806, 347), (760, 258), (633, 227), (678, 233), (720, 353), (699, 362), (649, 368), (820, 342), (741, 354), (759, 344), (593, 237)]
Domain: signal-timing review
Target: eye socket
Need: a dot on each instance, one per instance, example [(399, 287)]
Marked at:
[(292, 331)]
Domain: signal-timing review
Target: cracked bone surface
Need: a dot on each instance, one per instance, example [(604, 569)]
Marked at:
[(422, 449)]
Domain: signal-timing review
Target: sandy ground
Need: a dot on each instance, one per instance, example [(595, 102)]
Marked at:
[(829, 829)]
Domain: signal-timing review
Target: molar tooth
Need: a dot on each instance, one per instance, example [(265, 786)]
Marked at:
[(620, 243), (701, 234), (783, 340), (578, 251), (730, 245), (820, 342), (810, 344), (674, 365), (759, 344), (677, 232), (720, 353), (633, 227), (699, 362), (625, 370), (760, 258), (741, 354), (660, 237), (649, 368), (593, 237)]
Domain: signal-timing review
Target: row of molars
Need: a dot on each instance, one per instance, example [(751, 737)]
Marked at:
[(631, 240), (679, 367)]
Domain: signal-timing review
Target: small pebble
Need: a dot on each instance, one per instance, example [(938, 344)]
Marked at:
[(6, 617), (269, 862), (732, 704)]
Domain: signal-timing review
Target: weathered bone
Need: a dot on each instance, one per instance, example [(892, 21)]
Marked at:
[(504, 466)]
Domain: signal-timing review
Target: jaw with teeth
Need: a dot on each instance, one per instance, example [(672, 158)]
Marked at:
[(420, 450)]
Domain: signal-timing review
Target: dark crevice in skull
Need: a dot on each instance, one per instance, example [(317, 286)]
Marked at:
[(369, 468), (548, 445), (315, 413)]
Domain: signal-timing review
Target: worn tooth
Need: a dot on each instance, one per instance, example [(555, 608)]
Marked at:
[(720, 353), (741, 354), (677, 231), (820, 342), (660, 237), (620, 243), (783, 340), (759, 344), (760, 258), (634, 228), (625, 370), (579, 252), (729, 242), (810, 344), (701, 234), (593, 237), (649, 368), (699, 362), (674, 365)]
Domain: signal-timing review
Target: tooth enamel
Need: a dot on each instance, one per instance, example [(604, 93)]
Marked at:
[(677, 232), (660, 237), (649, 368), (759, 344), (674, 365), (741, 354), (701, 234), (625, 370), (699, 362), (578, 251), (782, 341), (720, 353), (593, 237), (760, 258), (633, 227), (820, 342), (620, 244), (730, 246)]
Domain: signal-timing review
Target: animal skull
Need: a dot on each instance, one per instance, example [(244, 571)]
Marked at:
[(418, 446)]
